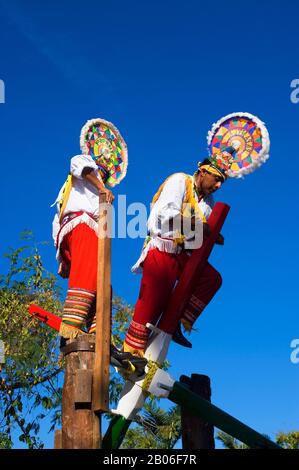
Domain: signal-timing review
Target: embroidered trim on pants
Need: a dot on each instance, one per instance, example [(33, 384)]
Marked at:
[(77, 306), (137, 335), (193, 310)]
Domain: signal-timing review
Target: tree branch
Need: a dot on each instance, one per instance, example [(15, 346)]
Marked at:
[(6, 387)]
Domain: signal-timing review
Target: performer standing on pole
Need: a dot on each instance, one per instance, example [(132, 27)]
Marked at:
[(238, 144), (101, 165), (166, 252)]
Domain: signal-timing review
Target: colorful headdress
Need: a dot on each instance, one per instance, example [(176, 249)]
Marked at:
[(103, 142), (245, 137), (220, 163)]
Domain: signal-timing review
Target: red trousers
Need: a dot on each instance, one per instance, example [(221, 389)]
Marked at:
[(79, 250), (160, 272)]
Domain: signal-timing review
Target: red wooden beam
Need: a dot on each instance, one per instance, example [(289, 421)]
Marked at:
[(46, 317)]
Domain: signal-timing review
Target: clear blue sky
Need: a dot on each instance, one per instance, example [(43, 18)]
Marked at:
[(163, 72)]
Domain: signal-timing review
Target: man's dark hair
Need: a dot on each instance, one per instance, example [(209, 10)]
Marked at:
[(205, 162)]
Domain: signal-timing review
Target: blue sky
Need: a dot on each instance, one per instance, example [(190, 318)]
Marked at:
[(163, 72)]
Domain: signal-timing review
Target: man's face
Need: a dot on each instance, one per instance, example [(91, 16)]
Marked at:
[(208, 182)]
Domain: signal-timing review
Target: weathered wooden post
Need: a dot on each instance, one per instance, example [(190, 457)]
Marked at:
[(100, 387), (58, 439), (77, 415), (196, 432)]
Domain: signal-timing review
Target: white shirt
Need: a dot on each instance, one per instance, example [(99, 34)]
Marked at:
[(168, 207), (83, 195)]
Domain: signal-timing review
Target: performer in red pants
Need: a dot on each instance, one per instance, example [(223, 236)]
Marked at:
[(103, 162), (167, 250), (155, 291), (79, 250)]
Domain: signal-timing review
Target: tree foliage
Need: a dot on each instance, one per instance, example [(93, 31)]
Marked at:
[(32, 377), (289, 440), (230, 442), (30, 388), (155, 428)]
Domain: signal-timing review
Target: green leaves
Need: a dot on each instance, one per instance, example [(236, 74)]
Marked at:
[(230, 442), (47, 403), (289, 440), (5, 441), (156, 428), (32, 365)]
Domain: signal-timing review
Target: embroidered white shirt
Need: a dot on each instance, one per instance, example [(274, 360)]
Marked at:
[(83, 195), (169, 205), (167, 208)]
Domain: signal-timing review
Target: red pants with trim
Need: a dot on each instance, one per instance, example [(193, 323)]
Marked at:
[(160, 272), (79, 249)]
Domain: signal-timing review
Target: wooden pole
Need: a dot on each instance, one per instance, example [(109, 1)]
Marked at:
[(58, 439), (78, 418), (196, 432), (100, 387)]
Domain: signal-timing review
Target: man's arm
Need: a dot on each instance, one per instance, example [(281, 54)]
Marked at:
[(207, 232), (89, 175), (220, 240), (205, 227)]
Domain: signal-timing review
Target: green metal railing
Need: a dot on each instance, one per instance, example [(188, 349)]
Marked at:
[(183, 396)]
